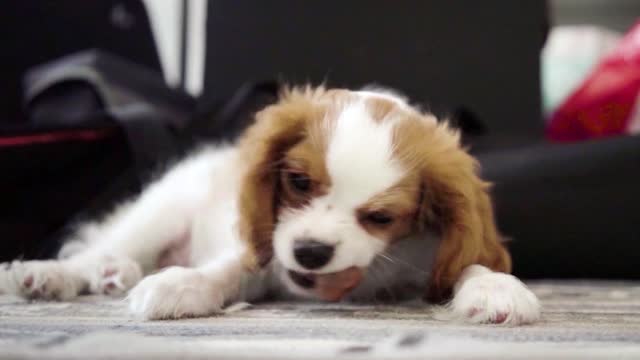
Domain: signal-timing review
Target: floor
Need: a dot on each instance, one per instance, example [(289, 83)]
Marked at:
[(581, 320)]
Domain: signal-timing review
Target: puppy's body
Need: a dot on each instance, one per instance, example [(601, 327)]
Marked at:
[(324, 198)]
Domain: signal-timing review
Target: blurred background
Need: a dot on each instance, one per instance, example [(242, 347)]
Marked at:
[(96, 94)]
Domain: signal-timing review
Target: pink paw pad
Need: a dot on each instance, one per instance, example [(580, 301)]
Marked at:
[(28, 281), (32, 291), (473, 312), (108, 288), (500, 318)]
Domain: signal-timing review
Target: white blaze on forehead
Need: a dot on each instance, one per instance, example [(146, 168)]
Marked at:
[(360, 158)]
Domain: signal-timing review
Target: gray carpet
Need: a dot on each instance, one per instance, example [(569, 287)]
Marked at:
[(580, 320)]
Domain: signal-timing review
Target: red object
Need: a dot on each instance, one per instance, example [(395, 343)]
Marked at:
[(603, 104), (57, 136)]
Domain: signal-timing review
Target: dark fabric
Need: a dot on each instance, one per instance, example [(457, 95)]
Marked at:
[(44, 183), (64, 104), (572, 210), (225, 120)]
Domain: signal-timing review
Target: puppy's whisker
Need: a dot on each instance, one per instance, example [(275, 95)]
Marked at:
[(396, 260), (387, 257)]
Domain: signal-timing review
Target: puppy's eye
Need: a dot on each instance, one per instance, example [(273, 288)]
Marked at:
[(379, 218), (299, 181)]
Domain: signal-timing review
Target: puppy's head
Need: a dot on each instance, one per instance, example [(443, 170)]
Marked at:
[(334, 177)]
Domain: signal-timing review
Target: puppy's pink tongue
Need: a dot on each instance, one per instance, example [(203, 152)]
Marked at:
[(332, 287)]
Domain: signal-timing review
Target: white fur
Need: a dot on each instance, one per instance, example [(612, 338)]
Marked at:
[(388, 94), (40, 279), (196, 200), (483, 296), (63, 280), (180, 292), (360, 157), (360, 164), (175, 293)]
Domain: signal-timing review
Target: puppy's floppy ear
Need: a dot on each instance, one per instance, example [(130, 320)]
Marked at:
[(276, 129), (457, 205)]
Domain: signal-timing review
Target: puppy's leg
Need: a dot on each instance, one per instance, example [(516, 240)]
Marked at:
[(40, 280), (105, 273), (65, 279), (179, 292), (112, 255), (109, 256), (92, 262), (484, 296)]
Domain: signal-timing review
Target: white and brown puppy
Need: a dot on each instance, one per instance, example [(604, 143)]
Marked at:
[(330, 194)]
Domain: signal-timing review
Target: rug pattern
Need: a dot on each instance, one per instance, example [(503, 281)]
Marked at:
[(587, 319)]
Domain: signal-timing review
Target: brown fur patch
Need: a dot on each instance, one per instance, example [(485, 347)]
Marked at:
[(380, 108), (305, 159)]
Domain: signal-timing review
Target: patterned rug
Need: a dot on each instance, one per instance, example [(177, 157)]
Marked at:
[(581, 320)]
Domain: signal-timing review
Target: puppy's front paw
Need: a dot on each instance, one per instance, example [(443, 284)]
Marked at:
[(495, 298), (175, 293), (48, 280), (114, 276)]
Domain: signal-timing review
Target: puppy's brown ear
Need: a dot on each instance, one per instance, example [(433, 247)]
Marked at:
[(276, 129), (457, 205)]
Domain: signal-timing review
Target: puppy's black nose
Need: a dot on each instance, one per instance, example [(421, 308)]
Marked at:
[(312, 254)]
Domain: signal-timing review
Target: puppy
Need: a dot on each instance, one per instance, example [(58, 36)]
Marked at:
[(330, 194)]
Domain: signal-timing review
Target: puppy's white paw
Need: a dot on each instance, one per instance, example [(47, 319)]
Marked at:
[(495, 298), (115, 276), (175, 293), (49, 280)]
